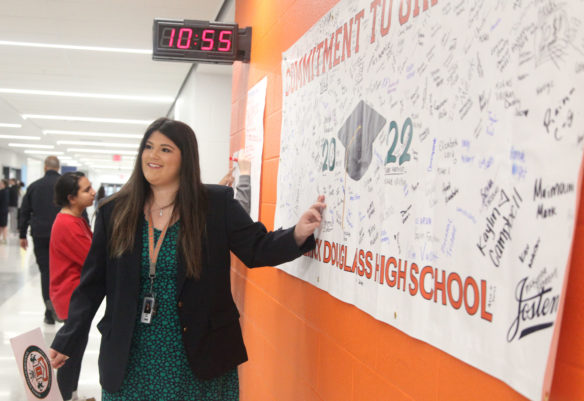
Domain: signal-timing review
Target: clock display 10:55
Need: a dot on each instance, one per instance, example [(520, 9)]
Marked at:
[(205, 39)]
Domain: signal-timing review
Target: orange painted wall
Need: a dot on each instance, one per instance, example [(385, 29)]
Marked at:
[(305, 345)]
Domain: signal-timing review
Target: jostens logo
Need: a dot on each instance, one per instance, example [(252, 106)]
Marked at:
[(37, 371)]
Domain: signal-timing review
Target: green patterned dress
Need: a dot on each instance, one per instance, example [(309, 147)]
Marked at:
[(158, 369)]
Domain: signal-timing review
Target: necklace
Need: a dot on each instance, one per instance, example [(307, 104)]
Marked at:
[(161, 208)]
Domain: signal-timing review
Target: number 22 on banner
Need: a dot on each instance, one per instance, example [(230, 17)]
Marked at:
[(405, 156)]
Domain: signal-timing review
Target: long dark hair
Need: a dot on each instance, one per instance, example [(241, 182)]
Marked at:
[(191, 198), (67, 184)]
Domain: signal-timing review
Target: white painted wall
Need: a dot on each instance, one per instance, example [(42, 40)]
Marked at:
[(205, 104), (12, 159), (35, 169)]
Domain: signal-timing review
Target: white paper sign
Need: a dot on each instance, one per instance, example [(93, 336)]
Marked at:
[(447, 139), (32, 358), (254, 140)]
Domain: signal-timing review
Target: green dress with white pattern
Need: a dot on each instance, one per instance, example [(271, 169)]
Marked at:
[(158, 369)]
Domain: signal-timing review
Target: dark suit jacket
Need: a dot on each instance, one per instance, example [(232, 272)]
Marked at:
[(38, 208), (209, 318)]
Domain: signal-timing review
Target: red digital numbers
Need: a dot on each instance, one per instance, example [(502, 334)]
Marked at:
[(181, 43), (188, 39), (225, 41), (208, 41)]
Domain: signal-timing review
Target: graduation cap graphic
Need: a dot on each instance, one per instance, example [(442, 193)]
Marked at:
[(357, 135)]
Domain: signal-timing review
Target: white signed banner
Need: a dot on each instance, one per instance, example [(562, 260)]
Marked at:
[(447, 140), (254, 140)]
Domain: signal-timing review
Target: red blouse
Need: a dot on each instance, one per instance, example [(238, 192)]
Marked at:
[(70, 242)]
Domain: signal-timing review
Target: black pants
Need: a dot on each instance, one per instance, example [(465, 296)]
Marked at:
[(68, 374), (41, 253)]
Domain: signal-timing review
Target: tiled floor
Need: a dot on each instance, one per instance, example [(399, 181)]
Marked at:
[(22, 310)]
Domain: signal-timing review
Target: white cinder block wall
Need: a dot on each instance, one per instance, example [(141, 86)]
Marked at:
[(205, 104)]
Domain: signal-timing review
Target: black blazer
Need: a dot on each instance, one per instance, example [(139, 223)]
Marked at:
[(210, 327), (38, 208)]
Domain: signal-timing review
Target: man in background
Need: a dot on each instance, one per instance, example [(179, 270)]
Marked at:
[(13, 195), (39, 211)]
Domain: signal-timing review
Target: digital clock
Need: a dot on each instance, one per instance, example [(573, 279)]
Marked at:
[(200, 41)]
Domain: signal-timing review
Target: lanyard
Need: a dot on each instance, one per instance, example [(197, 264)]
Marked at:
[(153, 252)]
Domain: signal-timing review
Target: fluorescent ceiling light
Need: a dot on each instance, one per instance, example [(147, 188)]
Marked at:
[(74, 47), (111, 152), (105, 162), (125, 159), (6, 125), (23, 137), (91, 134), (86, 119), (137, 98), (27, 145), (103, 144), (68, 159), (109, 167), (43, 152)]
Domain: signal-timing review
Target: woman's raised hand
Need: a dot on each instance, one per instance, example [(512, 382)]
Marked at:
[(309, 221), (244, 164)]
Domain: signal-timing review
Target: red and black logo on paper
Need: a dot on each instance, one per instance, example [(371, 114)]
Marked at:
[(37, 371)]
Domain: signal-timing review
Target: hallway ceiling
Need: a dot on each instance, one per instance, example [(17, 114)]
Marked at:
[(49, 87)]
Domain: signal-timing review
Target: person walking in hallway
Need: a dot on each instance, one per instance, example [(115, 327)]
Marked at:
[(4, 200), (160, 256), (39, 211), (70, 242), (14, 198)]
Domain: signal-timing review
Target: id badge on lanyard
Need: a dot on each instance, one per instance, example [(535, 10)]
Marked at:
[(148, 308), (149, 302)]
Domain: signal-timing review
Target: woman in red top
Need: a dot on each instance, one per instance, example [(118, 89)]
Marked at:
[(70, 242)]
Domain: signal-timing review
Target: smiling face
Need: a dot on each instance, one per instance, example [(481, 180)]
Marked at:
[(161, 160), (85, 194)]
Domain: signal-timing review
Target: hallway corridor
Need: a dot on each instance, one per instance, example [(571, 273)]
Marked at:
[(21, 310)]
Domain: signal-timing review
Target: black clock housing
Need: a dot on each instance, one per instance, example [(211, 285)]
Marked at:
[(200, 41)]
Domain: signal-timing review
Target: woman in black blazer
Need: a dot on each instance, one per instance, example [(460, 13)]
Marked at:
[(161, 257)]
